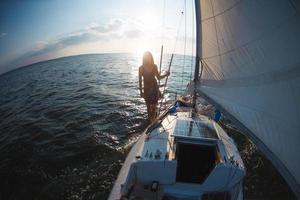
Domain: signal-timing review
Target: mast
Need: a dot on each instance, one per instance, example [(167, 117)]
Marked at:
[(198, 49), (198, 39)]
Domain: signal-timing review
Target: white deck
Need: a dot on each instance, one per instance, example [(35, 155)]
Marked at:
[(153, 159)]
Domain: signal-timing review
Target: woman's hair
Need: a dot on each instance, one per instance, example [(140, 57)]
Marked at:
[(148, 59)]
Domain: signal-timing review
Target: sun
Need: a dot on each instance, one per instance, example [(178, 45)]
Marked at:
[(150, 22), (151, 28), (140, 50)]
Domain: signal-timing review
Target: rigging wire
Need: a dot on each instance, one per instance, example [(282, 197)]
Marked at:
[(170, 63), (164, 90), (184, 52), (163, 23), (178, 31), (193, 40), (162, 39)]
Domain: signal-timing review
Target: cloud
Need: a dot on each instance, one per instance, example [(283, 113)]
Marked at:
[(104, 35), (133, 33), (115, 29), (2, 35), (42, 48), (112, 26)]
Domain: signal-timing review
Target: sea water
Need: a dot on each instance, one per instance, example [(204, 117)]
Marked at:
[(67, 124), (64, 123)]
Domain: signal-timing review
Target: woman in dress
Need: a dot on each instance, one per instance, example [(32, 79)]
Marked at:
[(149, 89)]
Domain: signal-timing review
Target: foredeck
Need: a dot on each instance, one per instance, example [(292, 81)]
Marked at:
[(159, 144), (163, 151)]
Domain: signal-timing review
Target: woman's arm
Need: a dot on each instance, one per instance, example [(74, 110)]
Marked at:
[(140, 82), (157, 74)]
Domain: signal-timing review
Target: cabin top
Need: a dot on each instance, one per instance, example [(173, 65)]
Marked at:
[(160, 144), (189, 128)]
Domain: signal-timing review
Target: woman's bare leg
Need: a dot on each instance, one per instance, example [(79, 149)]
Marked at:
[(153, 111), (149, 111)]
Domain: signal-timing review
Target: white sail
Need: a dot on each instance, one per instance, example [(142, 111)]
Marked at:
[(251, 69)]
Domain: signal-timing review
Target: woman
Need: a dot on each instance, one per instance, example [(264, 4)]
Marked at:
[(150, 90)]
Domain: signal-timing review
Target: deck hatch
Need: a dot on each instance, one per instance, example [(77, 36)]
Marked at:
[(191, 128), (194, 162)]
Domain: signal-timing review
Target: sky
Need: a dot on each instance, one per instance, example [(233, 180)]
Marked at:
[(37, 30)]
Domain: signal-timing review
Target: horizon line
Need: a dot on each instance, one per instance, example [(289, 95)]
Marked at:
[(83, 54)]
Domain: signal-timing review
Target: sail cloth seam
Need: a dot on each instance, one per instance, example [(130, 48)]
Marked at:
[(241, 52), (216, 30), (263, 35), (257, 80), (285, 172), (294, 6), (223, 12), (257, 109)]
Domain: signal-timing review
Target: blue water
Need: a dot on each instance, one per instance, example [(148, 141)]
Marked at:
[(65, 123)]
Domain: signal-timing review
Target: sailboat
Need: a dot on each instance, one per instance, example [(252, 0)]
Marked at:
[(249, 56)]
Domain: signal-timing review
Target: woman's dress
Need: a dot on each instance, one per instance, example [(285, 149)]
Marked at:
[(151, 90)]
